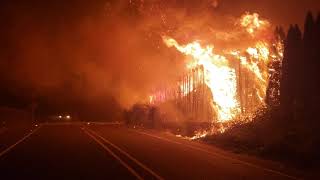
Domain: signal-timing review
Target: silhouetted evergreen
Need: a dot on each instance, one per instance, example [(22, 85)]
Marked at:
[(291, 73), (300, 82), (297, 75), (317, 56), (309, 63), (285, 95)]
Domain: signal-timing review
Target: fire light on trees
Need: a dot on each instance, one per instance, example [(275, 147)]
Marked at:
[(238, 77), (220, 78)]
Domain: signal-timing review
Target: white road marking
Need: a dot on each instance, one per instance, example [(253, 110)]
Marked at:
[(219, 155), (114, 155), (128, 155), (18, 142)]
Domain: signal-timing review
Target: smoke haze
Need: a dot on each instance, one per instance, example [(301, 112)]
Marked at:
[(75, 50)]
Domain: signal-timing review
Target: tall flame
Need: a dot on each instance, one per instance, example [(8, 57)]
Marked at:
[(220, 78), (221, 74)]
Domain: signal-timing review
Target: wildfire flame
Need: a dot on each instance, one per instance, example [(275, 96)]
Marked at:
[(252, 23), (237, 77), (221, 76)]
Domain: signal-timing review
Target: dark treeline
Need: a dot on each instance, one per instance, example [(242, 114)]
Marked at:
[(294, 90), (300, 82)]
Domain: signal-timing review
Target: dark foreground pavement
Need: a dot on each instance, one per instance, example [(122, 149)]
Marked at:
[(77, 151)]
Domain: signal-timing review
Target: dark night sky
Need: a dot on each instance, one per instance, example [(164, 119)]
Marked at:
[(48, 44)]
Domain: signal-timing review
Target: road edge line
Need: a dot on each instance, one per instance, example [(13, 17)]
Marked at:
[(129, 156), (18, 142), (222, 156), (113, 154)]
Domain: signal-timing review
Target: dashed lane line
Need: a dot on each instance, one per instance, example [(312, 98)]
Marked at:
[(18, 142), (113, 154), (128, 155)]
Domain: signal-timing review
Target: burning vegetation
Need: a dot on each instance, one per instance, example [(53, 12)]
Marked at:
[(246, 86), (225, 85), (189, 66)]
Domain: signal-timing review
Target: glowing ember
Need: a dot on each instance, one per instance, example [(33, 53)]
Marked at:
[(252, 23), (151, 99)]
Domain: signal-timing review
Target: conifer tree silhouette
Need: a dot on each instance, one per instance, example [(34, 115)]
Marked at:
[(309, 66), (285, 93)]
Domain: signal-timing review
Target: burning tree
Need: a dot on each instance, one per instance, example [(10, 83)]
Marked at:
[(273, 90), (237, 78)]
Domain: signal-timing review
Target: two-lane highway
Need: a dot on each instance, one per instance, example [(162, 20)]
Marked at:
[(60, 152), (78, 151)]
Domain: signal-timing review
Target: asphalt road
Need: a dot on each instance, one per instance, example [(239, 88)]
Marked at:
[(78, 151)]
